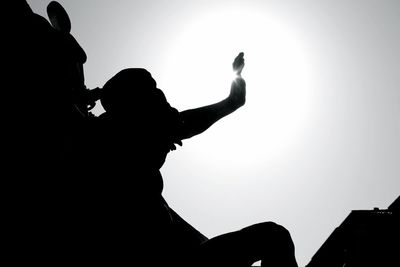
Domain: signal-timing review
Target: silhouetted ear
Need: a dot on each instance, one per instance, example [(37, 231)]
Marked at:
[(58, 17)]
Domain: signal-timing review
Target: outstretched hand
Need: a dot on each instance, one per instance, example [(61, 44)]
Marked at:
[(238, 64), (200, 119), (237, 96)]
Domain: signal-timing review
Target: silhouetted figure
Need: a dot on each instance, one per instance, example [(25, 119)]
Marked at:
[(37, 119), (83, 99), (39, 93), (135, 134), (40, 126), (49, 98), (91, 190)]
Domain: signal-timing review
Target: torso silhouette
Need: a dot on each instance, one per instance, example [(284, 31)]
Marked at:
[(104, 205), (130, 143), (136, 132)]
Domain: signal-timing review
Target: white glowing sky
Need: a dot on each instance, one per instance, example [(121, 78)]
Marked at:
[(278, 76), (318, 136)]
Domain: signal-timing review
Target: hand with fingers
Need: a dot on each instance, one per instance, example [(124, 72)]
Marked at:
[(196, 121), (238, 64), (237, 96)]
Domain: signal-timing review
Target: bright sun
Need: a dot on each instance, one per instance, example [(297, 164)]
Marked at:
[(198, 72)]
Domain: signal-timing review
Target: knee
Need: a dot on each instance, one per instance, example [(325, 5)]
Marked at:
[(267, 232), (269, 242), (266, 228)]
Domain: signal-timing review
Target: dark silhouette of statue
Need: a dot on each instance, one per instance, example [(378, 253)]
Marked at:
[(91, 190), (44, 133), (134, 136)]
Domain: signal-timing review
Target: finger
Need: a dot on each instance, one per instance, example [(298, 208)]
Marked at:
[(241, 55), (239, 58), (238, 63)]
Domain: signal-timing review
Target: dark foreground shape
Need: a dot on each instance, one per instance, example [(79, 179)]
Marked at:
[(366, 238), (87, 190)]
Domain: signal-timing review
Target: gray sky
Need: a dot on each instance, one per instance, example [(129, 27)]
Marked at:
[(318, 136)]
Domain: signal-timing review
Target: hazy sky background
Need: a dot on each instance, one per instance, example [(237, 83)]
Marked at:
[(319, 134)]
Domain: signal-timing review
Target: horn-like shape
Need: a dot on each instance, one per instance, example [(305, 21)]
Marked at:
[(58, 17)]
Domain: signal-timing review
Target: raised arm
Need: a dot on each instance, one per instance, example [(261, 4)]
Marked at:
[(196, 121)]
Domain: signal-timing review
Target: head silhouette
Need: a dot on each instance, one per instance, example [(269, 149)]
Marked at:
[(142, 114), (130, 90)]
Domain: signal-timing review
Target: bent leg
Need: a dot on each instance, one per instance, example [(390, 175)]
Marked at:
[(183, 241), (268, 242), (271, 243)]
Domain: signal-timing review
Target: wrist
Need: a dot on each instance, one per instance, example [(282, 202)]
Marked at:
[(231, 104)]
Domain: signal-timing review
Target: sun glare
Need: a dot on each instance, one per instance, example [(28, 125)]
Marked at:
[(198, 71)]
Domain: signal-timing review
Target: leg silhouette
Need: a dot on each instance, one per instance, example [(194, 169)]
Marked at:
[(268, 242)]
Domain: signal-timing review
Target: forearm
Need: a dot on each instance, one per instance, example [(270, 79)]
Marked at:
[(196, 121)]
